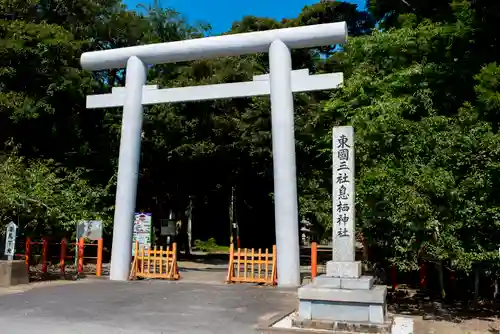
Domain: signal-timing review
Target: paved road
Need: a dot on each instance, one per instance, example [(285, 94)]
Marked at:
[(140, 307)]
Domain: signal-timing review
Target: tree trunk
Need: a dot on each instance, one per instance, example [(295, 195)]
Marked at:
[(476, 288), (441, 280), (231, 218), (190, 226), (496, 292)]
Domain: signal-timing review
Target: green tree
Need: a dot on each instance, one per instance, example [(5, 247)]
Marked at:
[(43, 198)]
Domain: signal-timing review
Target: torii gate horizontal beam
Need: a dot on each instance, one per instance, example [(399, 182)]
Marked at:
[(217, 46), (301, 82)]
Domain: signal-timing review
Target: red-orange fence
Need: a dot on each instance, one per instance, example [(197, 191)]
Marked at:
[(63, 254), (317, 258), (393, 278)]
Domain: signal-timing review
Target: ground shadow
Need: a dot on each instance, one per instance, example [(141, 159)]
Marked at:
[(206, 258), (212, 269)]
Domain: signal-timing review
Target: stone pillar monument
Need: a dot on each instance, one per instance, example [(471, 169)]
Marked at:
[(343, 299)]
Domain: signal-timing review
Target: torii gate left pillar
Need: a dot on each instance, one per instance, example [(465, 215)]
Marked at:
[(280, 86)]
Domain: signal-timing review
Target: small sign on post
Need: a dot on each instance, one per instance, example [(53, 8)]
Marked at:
[(90, 229), (10, 241)]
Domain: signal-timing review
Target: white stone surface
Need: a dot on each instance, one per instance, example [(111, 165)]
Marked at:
[(217, 46), (343, 269), (377, 313), (361, 283), (128, 170), (343, 194), (260, 87), (402, 325), (317, 293), (284, 170)]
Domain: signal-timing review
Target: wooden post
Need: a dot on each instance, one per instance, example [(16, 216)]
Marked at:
[(238, 263), (28, 253), (394, 277), (142, 267), (314, 260), (230, 269), (423, 275), (175, 270), (98, 270), (81, 245), (64, 245), (266, 263), (245, 259), (259, 254), (45, 251), (252, 276), (135, 264)]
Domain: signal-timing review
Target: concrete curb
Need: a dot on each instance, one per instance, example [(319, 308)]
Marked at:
[(265, 326)]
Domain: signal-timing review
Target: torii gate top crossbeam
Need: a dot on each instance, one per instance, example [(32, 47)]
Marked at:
[(217, 46)]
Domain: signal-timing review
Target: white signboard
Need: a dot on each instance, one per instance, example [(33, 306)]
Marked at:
[(10, 240), (142, 231), (168, 227)]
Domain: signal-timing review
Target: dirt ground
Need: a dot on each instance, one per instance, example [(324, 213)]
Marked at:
[(433, 317)]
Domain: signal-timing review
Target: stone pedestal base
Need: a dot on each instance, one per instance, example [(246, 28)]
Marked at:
[(341, 299), (13, 273), (344, 327)]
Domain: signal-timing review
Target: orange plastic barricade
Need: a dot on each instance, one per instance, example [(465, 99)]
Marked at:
[(155, 263), (249, 266)]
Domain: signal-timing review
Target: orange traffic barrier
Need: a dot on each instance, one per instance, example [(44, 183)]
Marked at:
[(314, 260), (155, 263), (248, 266)]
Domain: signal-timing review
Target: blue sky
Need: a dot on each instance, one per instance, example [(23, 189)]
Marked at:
[(222, 13)]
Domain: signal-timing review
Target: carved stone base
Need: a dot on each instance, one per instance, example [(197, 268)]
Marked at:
[(343, 269), (336, 299), (13, 273)]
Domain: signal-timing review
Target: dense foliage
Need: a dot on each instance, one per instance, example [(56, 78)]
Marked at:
[(421, 89)]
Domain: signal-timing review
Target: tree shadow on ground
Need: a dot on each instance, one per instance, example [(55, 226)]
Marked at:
[(412, 303), (205, 258), (181, 269)]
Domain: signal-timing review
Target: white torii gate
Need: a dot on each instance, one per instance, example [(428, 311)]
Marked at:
[(280, 84)]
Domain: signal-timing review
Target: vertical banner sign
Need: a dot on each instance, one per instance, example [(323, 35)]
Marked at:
[(142, 231), (343, 194), (10, 240)]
